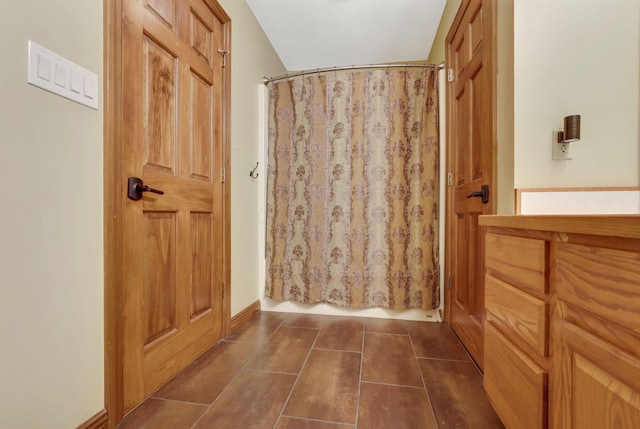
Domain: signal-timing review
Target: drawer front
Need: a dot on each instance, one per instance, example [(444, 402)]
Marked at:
[(523, 260), (603, 281), (516, 386), (520, 315)]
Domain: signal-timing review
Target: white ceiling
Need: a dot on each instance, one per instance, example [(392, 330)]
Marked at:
[(310, 34)]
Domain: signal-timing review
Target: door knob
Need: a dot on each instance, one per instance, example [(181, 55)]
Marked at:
[(137, 187), (484, 194)]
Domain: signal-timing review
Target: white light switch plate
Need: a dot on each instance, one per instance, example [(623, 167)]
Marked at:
[(56, 74)]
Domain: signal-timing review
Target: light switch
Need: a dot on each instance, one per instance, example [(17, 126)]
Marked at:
[(51, 72), (44, 68), (61, 76), (76, 82), (89, 88)]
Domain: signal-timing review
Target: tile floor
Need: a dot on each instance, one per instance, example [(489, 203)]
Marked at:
[(293, 371)]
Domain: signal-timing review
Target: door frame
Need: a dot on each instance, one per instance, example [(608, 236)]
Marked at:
[(449, 199), (114, 190)]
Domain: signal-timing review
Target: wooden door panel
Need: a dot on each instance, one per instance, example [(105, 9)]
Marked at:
[(159, 284), (475, 28), (200, 128), (201, 37), (462, 150), (165, 10), (159, 106), (202, 268), (477, 90), (461, 275)]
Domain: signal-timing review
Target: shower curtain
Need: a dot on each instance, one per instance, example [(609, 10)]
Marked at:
[(352, 199)]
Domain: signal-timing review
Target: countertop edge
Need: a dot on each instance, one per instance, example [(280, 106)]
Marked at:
[(627, 226)]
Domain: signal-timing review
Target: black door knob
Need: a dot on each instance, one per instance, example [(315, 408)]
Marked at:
[(137, 187), (484, 194)]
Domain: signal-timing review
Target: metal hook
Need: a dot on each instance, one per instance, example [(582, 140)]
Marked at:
[(253, 173)]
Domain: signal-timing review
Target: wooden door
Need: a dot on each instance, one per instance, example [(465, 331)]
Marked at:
[(172, 273), (471, 135)]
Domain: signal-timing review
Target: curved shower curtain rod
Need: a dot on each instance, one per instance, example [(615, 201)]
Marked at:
[(268, 80)]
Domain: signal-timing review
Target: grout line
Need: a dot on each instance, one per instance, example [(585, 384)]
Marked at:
[(238, 374), (360, 376), (387, 333), (271, 371), (337, 350), (319, 421), (295, 383), (424, 384), (178, 400), (445, 359), (391, 384)]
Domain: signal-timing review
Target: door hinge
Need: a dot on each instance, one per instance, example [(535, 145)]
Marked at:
[(224, 290), (224, 175), (224, 53), (450, 179), (449, 282), (449, 75)]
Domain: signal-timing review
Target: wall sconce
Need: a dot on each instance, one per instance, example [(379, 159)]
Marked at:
[(562, 138), (571, 131)]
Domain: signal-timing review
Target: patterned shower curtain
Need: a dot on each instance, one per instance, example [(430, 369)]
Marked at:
[(352, 201)]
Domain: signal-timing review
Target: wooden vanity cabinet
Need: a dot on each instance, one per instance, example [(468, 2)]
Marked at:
[(562, 334), (516, 362)]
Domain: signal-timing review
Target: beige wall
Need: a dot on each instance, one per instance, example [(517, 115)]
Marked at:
[(51, 275), (505, 147), (436, 56), (577, 57), (252, 58)]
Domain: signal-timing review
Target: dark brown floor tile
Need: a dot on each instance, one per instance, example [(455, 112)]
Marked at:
[(389, 359), (395, 407), (254, 400), (307, 320), (341, 333), (435, 341), (161, 414), (457, 395), (386, 326), (204, 379), (291, 423), (259, 328), (286, 351), (327, 388)]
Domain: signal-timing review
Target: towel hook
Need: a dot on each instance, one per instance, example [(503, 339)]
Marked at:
[(253, 173)]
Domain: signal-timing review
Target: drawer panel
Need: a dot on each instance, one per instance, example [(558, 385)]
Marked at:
[(523, 260), (603, 281), (517, 313), (516, 386)]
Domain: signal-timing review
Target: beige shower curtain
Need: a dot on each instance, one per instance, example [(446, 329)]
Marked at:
[(352, 199)]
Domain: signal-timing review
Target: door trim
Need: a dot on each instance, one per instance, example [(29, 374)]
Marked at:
[(113, 195)]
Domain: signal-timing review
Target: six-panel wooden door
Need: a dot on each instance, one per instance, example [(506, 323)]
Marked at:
[(471, 107), (173, 254)]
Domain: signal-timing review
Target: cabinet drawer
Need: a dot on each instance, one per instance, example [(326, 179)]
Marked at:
[(522, 259), (516, 386), (517, 313)]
